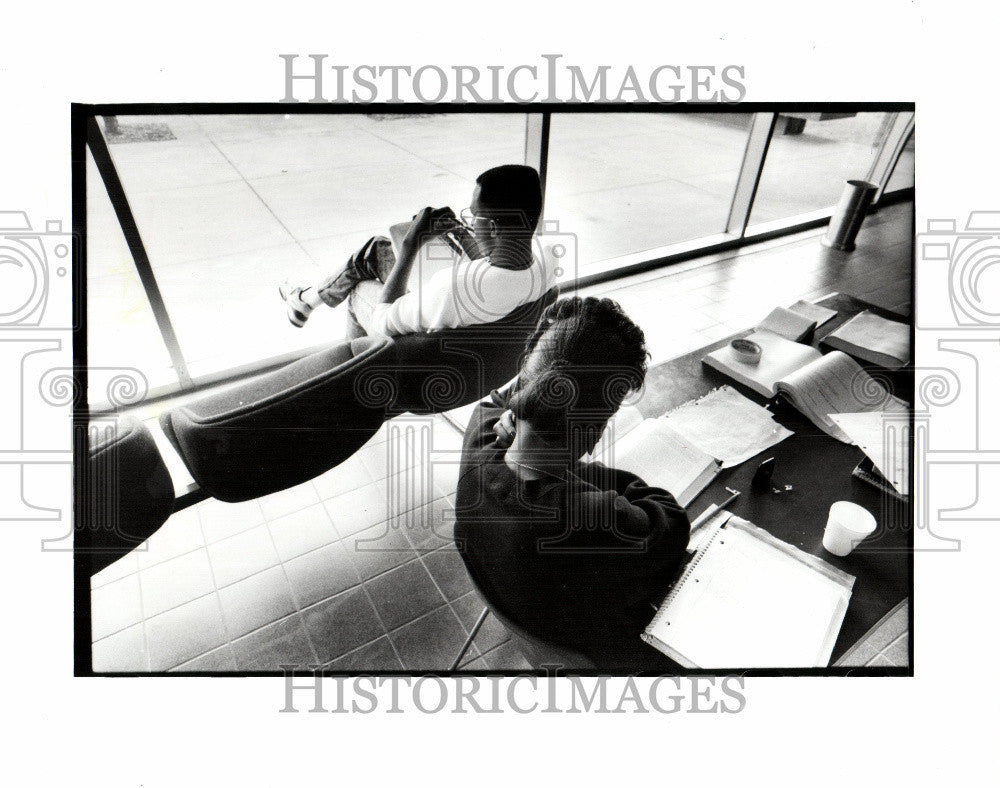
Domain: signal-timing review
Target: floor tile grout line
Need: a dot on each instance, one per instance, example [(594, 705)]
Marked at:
[(437, 585), (356, 649), (295, 597), (448, 601), (125, 576), (381, 621), (160, 265), (218, 601), (513, 645), (339, 539), (142, 612), (904, 634)]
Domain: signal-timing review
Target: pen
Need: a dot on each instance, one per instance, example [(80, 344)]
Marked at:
[(713, 508)]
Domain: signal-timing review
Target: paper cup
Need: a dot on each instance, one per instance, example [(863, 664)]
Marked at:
[(846, 526)]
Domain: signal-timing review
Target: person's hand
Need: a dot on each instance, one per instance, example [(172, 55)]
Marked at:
[(505, 429), (430, 223)]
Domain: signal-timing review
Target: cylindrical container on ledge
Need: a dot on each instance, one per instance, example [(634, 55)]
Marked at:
[(850, 213)]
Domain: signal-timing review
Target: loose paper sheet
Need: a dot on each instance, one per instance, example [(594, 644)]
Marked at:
[(883, 437), (727, 425)]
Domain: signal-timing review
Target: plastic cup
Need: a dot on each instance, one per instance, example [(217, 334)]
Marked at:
[(847, 525)]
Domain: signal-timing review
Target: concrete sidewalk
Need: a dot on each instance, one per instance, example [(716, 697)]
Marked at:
[(230, 206)]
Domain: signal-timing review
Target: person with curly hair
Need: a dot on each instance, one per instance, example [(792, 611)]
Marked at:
[(570, 550)]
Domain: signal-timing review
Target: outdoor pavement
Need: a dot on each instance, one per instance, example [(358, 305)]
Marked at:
[(229, 207)]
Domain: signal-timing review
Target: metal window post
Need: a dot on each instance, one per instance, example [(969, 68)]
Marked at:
[(536, 148), (900, 127), (758, 141), (116, 192)]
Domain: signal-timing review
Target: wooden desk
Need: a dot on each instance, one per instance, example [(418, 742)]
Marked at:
[(818, 468)]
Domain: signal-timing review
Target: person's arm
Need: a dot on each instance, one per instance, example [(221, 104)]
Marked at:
[(426, 224), (632, 509)]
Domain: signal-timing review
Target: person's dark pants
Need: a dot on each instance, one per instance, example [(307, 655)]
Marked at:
[(360, 282)]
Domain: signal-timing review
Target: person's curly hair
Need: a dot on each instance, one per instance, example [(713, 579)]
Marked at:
[(590, 356)]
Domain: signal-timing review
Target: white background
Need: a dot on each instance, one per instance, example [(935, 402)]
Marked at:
[(938, 726)]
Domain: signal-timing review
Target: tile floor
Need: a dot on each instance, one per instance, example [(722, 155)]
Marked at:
[(886, 645), (355, 569)]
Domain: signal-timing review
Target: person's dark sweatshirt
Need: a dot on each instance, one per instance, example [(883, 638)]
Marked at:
[(575, 560)]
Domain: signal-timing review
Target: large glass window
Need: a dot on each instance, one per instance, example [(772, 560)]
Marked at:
[(631, 182), (902, 175), (121, 329), (230, 206), (810, 157)]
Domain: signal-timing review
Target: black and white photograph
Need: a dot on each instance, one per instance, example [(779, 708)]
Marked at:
[(616, 392), (573, 395)]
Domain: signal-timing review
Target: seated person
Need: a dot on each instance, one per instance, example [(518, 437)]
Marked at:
[(496, 274), (572, 551)]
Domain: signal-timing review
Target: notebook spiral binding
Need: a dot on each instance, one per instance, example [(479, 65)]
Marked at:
[(688, 571)]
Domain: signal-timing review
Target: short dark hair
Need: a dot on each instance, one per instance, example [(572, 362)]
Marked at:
[(592, 357), (514, 193)]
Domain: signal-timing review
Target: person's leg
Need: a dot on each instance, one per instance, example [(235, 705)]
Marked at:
[(373, 261), (360, 305), (366, 294)]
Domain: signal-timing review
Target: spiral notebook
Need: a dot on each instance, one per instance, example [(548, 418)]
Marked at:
[(746, 599)]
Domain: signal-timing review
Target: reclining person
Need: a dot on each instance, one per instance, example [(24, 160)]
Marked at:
[(572, 551), (496, 274)]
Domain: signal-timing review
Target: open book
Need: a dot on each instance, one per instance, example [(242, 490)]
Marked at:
[(818, 314), (657, 454), (788, 324), (874, 339), (749, 600), (816, 385)]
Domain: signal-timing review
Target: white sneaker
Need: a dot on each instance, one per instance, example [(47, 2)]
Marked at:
[(298, 310)]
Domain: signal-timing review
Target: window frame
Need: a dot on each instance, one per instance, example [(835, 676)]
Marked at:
[(737, 232)]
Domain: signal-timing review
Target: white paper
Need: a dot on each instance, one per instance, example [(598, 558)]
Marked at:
[(779, 358), (662, 458), (884, 439), (873, 338), (788, 324), (727, 425), (820, 314), (836, 383), (747, 603)]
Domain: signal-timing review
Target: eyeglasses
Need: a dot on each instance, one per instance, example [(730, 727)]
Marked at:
[(468, 218)]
